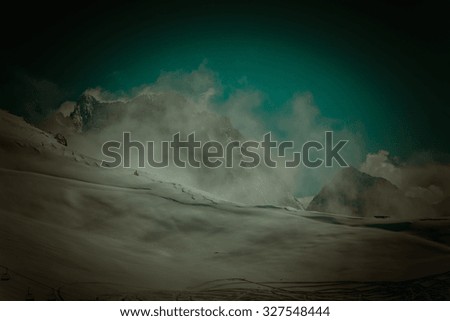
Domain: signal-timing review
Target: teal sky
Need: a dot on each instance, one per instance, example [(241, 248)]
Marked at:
[(279, 67), (372, 68)]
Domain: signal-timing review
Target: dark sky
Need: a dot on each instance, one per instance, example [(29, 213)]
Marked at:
[(383, 64)]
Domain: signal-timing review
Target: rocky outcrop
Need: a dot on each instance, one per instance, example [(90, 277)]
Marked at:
[(61, 139), (83, 114)]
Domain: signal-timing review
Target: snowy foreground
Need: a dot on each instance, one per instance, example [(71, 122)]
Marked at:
[(72, 230)]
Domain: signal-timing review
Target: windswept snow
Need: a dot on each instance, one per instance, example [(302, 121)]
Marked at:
[(68, 225)]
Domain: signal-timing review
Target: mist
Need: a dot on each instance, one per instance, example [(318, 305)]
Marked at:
[(428, 181), (197, 101)]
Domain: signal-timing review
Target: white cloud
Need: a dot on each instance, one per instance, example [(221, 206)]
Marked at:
[(429, 182), (188, 102)]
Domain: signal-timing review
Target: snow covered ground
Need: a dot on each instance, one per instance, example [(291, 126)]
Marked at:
[(70, 229)]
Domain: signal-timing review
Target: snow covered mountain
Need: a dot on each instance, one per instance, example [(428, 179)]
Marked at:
[(443, 207), (70, 229), (355, 193), (156, 117), (87, 113)]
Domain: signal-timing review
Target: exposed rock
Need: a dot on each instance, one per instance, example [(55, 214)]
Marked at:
[(61, 139), (83, 113)]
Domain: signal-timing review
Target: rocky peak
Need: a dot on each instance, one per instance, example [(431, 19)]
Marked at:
[(83, 112)]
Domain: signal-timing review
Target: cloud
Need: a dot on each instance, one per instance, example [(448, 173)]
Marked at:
[(194, 101), (67, 108), (428, 181), (241, 108), (302, 121)]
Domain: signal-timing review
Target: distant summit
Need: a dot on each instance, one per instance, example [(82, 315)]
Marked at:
[(87, 114), (75, 118), (355, 193), (83, 113)]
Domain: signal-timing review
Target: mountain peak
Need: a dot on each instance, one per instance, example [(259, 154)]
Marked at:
[(352, 192), (83, 112)]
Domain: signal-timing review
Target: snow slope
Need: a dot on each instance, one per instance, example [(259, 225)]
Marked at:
[(72, 230)]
